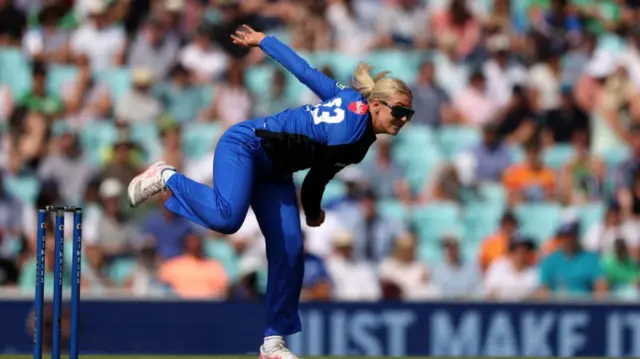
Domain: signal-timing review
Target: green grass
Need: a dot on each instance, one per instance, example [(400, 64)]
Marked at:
[(210, 357), (179, 357)]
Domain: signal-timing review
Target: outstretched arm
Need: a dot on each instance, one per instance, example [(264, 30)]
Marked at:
[(323, 86)]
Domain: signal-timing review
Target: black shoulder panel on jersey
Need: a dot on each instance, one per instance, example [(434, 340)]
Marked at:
[(292, 152)]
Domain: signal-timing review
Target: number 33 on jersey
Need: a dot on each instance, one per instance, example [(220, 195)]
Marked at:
[(331, 111)]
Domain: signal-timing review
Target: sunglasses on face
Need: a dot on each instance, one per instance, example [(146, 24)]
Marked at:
[(398, 111)]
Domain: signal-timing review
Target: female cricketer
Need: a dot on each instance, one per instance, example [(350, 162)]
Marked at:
[(254, 162)]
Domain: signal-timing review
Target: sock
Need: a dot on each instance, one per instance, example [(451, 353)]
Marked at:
[(271, 342), (166, 174)]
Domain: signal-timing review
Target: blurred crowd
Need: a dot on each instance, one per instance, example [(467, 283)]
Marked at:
[(518, 178)]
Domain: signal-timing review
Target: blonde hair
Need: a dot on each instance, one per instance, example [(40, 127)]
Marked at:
[(378, 87)]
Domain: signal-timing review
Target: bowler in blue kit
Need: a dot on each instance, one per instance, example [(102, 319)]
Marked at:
[(254, 162)]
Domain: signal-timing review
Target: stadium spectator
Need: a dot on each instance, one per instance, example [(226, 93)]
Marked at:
[(121, 162), (232, 103), (570, 271), (512, 277), (85, 98), (180, 96), (404, 23), (143, 280), (203, 58), (275, 99), (601, 236), (530, 180), (12, 24), (154, 48), (619, 267), (48, 42), (115, 237), (139, 105), (581, 179), (474, 103), (626, 176), (67, 166), (496, 245), (316, 284), (602, 94), (352, 279), (562, 122), (167, 231), (387, 179), (405, 271), (39, 99), (431, 102), (458, 20), (501, 72), (192, 275), (373, 234), (456, 277), (491, 157), (98, 38)]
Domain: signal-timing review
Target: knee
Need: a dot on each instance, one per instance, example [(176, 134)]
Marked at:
[(227, 226)]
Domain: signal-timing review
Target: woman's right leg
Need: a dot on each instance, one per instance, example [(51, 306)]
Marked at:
[(222, 208)]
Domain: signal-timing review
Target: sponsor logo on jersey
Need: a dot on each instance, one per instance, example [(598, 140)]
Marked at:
[(341, 86), (359, 107)]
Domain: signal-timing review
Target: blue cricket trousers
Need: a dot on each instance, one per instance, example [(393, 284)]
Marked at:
[(243, 176)]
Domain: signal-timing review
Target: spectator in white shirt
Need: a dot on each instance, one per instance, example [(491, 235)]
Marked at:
[(601, 236), (352, 280), (512, 277), (402, 270), (139, 105), (103, 42), (501, 74), (203, 58)]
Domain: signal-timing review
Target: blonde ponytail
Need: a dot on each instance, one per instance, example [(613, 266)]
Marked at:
[(378, 87)]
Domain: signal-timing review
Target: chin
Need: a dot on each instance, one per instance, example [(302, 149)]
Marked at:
[(393, 130)]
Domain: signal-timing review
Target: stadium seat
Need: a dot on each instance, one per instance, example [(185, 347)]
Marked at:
[(15, 70), (454, 139), (25, 188), (96, 137), (118, 80), (145, 134), (416, 133), (199, 139), (258, 79), (341, 64), (59, 76), (420, 166), (589, 215), (494, 194), (390, 208), (434, 220), (400, 63), (539, 220), (558, 155), (481, 219), (334, 190), (121, 269)]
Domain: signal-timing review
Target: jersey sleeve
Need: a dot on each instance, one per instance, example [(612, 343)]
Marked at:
[(322, 85), (313, 187)]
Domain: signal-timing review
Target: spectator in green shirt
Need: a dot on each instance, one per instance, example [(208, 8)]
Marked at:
[(39, 99), (620, 269)]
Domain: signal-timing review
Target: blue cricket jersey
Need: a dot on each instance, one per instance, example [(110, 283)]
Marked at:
[(325, 138)]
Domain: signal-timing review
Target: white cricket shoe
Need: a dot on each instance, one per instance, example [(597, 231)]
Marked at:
[(279, 352), (148, 183)]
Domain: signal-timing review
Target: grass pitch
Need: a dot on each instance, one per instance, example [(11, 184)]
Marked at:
[(185, 357)]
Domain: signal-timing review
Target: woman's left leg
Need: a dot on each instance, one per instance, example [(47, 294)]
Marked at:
[(276, 207)]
